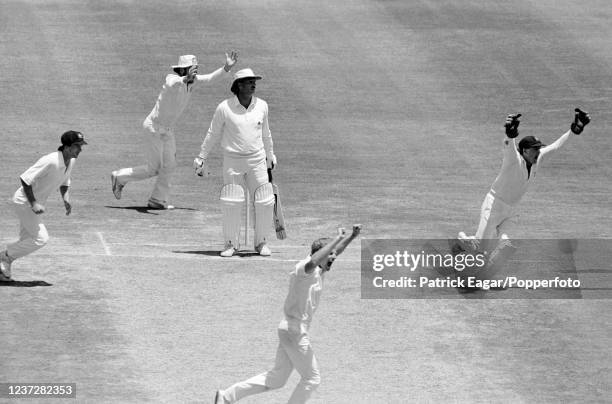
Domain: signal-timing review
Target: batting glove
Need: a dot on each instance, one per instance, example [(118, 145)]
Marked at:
[(271, 162), (200, 167), (511, 125), (581, 119)]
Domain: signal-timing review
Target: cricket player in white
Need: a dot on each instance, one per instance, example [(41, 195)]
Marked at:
[(241, 122), (519, 169), (294, 349), (49, 173), (160, 143)]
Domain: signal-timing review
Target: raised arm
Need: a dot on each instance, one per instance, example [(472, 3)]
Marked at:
[(581, 119), (347, 240), (230, 60), (320, 256)]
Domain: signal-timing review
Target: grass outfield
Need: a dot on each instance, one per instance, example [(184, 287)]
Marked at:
[(387, 113)]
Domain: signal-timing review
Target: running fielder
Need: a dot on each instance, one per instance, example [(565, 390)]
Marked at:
[(241, 123), (519, 169), (294, 349), (160, 143), (49, 173)]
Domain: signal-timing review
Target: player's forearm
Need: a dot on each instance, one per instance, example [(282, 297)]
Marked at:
[(320, 256), (27, 190), (268, 144), (556, 144), (212, 76), (64, 192), (344, 243)]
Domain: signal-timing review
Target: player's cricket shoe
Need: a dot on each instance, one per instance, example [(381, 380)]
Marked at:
[(159, 205), (228, 250), (263, 250), (5, 267), (467, 243), (117, 188)]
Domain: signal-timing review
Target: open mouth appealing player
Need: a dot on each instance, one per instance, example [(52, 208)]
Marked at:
[(294, 349), (519, 168), (241, 123), (49, 173), (160, 143)]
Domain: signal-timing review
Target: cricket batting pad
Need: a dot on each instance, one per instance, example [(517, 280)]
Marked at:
[(264, 209), (232, 199)]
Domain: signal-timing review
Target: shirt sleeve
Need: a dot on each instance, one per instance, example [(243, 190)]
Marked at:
[(173, 80), (300, 268), (215, 130), (39, 169), (211, 76), (555, 145), (511, 154), (266, 135)]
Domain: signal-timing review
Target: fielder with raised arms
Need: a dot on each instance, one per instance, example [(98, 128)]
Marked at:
[(519, 168), (160, 143), (241, 123), (294, 349)]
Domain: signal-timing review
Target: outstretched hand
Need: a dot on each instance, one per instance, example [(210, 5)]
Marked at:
[(230, 60)]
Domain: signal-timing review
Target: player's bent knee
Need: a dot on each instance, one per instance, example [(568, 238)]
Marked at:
[(264, 194), (276, 380)]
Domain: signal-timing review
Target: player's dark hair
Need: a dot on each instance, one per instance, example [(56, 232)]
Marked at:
[(318, 244), (234, 88)]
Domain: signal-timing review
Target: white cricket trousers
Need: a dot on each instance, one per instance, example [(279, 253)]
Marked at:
[(160, 148), (496, 216), (256, 170), (32, 232), (294, 351)]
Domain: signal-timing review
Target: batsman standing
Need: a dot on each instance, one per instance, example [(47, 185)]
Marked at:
[(241, 122), (519, 168), (294, 349), (160, 143), (49, 173)]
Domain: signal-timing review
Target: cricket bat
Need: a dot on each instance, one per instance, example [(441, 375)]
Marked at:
[(278, 217)]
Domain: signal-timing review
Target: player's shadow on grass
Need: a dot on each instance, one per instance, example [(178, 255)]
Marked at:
[(216, 253), (145, 209), (24, 284)]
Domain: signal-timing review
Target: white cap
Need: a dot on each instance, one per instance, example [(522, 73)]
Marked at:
[(186, 61)]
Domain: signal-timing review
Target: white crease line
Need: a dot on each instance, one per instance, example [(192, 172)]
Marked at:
[(106, 248), (189, 256)]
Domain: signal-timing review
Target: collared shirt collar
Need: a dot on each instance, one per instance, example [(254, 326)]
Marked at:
[(236, 102)]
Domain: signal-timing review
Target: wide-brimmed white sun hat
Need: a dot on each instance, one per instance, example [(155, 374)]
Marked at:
[(186, 61), (246, 74)]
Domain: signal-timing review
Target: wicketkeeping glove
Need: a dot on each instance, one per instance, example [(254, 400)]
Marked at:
[(581, 119), (200, 166), (511, 125)]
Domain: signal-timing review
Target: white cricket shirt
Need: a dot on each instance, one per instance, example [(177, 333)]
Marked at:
[(174, 97), (513, 179), (45, 176), (243, 131), (303, 297)]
